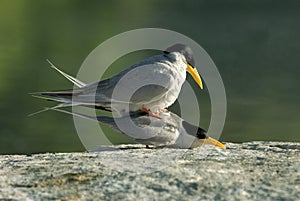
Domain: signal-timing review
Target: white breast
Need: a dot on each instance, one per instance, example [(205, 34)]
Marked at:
[(176, 67)]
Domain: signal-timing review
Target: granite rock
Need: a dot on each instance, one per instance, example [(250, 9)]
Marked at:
[(246, 171)]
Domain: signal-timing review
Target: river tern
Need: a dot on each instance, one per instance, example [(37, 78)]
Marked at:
[(163, 76), (167, 131)]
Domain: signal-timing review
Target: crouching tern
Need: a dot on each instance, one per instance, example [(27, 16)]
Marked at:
[(167, 131), (156, 83)]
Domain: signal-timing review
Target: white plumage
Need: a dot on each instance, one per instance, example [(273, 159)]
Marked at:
[(150, 85)]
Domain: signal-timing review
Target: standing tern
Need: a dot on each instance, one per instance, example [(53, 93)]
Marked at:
[(166, 73), (167, 131)]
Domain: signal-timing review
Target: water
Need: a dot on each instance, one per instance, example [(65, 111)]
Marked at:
[(254, 44)]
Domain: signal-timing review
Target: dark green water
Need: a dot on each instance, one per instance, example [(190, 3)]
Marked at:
[(255, 45)]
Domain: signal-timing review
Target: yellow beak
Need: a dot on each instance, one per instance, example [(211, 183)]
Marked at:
[(194, 73), (212, 141)]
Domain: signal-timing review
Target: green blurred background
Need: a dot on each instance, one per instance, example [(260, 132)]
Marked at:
[(255, 45)]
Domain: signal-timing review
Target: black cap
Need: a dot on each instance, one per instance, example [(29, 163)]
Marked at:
[(194, 130), (183, 49)]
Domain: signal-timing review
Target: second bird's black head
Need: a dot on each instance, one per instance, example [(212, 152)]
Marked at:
[(194, 130), (183, 49)]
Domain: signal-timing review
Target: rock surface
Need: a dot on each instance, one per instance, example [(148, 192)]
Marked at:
[(247, 171)]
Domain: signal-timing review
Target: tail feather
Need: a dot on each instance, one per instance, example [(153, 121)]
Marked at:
[(103, 119), (75, 81), (79, 96), (57, 99), (61, 94), (69, 102), (53, 96), (51, 108)]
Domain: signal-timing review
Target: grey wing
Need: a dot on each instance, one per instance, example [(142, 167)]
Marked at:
[(97, 92), (148, 93), (143, 84), (148, 80)]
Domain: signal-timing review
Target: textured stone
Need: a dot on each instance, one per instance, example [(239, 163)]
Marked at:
[(247, 171)]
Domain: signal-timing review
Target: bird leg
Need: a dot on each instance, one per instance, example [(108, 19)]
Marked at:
[(151, 113)]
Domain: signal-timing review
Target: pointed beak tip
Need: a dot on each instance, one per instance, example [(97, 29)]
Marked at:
[(219, 144), (222, 146), (214, 142), (201, 87)]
